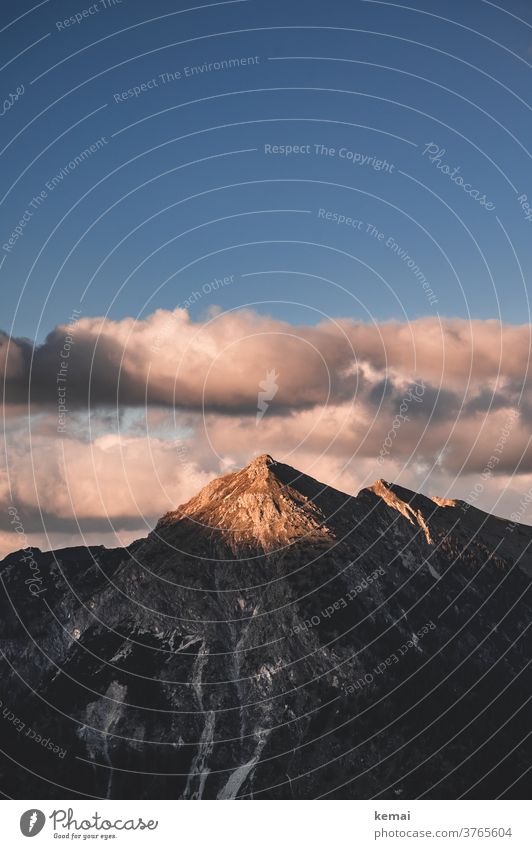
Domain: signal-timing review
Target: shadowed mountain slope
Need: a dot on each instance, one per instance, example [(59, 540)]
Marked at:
[(274, 637)]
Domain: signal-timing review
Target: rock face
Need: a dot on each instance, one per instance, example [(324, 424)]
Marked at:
[(274, 637)]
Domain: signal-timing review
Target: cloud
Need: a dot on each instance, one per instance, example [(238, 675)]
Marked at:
[(158, 407), (168, 360), (112, 485)]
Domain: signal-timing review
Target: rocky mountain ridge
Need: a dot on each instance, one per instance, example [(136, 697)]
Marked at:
[(274, 637)]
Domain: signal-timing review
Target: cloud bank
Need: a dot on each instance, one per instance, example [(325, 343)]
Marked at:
[(169, 360), (155, 408)]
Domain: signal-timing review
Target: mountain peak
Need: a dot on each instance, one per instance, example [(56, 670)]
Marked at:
[(266, 505), (408, 503), (259, 467), (262, 460)]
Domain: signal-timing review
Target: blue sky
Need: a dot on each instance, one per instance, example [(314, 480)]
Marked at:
[(182, 192)]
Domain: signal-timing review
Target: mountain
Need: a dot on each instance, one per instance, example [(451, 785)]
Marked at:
[(274, 638)]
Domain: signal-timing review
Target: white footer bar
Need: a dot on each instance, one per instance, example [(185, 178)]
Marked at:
[(268, 824)]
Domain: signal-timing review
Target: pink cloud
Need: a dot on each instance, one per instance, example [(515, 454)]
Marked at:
[(170, 360)]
